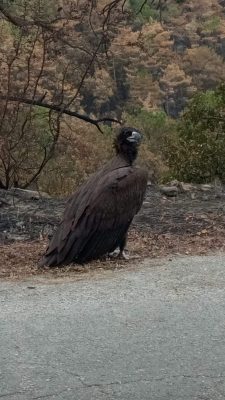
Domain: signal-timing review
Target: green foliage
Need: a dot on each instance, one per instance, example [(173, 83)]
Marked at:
[(142, 72), (16, 33), (148, 11), (15, 6), (152, 10), (40, 8), (40, 122), (197, 152), (46, 10), (172, 11), (212, 24), (155, 124)]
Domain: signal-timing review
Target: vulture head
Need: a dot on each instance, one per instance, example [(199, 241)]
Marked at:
[(127, 142)]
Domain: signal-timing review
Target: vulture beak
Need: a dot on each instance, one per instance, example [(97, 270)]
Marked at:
[(135, 137)]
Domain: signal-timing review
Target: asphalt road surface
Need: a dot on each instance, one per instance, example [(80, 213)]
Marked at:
[(152, 332)]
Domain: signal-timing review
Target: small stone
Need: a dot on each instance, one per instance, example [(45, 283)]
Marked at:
[(169, 191), (206, 187)]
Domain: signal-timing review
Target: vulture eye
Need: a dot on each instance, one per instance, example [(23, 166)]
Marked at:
[(135, 137)]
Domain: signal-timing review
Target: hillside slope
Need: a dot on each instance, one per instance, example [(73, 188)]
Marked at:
[(155, 58), (162, 64)]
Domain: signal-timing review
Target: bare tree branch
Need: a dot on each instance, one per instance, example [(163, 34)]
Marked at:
[(61, 110)]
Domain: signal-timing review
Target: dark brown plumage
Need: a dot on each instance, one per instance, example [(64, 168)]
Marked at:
[(98, 215)]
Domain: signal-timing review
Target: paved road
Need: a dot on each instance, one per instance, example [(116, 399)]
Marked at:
[(154, 332)]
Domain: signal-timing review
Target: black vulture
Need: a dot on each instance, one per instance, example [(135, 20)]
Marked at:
[(99, 213)]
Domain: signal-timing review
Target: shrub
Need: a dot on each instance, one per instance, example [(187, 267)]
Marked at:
[(197, 151)]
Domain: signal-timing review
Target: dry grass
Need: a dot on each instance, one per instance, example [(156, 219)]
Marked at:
[(20, 259)]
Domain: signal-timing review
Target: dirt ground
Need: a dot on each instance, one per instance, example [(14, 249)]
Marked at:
[(193, 222)]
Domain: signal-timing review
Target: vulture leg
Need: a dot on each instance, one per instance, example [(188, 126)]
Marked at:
[(123, 243), (120, 252), (123, 254)]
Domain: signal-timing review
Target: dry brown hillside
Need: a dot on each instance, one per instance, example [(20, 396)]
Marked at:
[(98, 58), (165, 63), (150, 63)]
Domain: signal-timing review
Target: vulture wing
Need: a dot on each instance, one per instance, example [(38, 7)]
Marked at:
[(98, 216)]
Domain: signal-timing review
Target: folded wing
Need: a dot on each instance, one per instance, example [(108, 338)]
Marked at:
[(97, 217)]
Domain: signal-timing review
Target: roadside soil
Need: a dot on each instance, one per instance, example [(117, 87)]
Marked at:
[(192, 222)]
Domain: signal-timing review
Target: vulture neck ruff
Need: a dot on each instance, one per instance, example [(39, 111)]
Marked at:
[(127, 151)]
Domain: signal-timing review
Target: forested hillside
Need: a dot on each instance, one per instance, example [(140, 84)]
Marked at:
[(137, 61), (164, 62)]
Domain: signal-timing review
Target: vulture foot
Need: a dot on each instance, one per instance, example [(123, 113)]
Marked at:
[(119, 254)]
